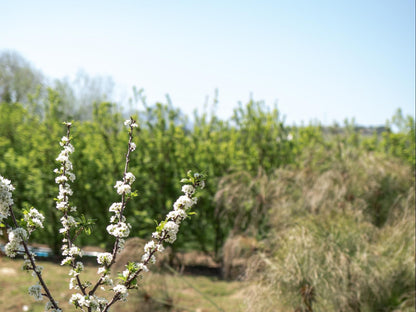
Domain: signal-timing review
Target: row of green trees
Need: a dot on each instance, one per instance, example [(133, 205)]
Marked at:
[(168, 145)]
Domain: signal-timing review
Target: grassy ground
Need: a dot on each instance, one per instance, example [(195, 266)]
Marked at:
[(159, 292)]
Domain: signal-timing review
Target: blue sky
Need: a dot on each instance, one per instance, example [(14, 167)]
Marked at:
[(320, 60)]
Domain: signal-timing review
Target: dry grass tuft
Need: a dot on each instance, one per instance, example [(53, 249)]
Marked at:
[(236, 252), (342, 238)]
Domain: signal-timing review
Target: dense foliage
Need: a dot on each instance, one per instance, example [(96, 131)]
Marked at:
[(168, 144)]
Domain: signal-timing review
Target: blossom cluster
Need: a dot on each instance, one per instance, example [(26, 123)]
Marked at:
[(34, 219), (65, 175), (90, 302), (167, 230), (36, 291), (16, 236), (50, 307), (130, 123), (6, 200), (74, 272), (118, 226)]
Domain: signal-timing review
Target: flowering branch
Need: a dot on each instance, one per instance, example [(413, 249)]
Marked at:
[(118, 228), (65, 174), (18, 235), (166, 232)]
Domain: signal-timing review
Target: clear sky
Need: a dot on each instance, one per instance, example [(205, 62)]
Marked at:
[(320, 60)]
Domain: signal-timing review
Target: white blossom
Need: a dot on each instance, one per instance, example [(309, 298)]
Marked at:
[(72, 283), (79, 267), (183, 202), (122, 290), (107, 280), (64, 141), (66, 260), (126, 273), (11, 249), (61, 179), (202, 184), (150, 246), (15, 238), (130, 123), (69, 148), (121, 229), (122, 188), (188, 189), (121, 243), (115, 207), (49, 307), (130, 178), (147, 258), (176, 215), (36, 291), (104, 258), (79, 300), (171, 229), (142, 266), (34, 218), (6, 200)]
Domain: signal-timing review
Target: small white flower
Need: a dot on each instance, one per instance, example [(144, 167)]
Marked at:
[(107, 280), (115, 207), (122, 188), (36, 291), (150, 246), (6, 200), (202, 184), (66, 260), (171, 228), (130, 123), (120, 229), (49, 307), (69, 148), (62, 157), (77, 299), (126, 273), (130, 178), (141, 266), (176, 215), (188, 189), (34, 218), (72, 283), (122, 290), (101, 270), (183, 202), (104, 258), (61, 179)]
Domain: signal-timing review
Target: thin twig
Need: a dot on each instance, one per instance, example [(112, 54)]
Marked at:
[(34, 266)]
